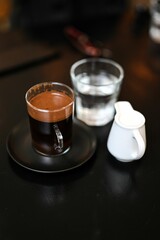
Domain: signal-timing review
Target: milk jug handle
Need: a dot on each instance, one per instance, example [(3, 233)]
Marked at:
[(140, 143)]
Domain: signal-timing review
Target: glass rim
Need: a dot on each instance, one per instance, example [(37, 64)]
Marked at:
[(103, 60), (54, 110)]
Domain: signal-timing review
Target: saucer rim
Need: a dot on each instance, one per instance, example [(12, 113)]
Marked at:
[(74, 164)]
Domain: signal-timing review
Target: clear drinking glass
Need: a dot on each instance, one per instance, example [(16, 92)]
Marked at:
[(154, 29), (97, 83)]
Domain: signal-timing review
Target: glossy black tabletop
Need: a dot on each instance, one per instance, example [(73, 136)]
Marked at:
[(103, 198)]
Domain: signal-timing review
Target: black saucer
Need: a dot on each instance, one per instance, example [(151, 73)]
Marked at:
[(20, 149)]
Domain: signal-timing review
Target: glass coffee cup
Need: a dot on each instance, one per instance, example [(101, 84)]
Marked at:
[(50, 110)]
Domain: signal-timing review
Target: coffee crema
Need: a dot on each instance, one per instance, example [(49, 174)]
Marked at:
[(50, 106)]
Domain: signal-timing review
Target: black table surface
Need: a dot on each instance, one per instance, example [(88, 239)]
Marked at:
[(103, 198)]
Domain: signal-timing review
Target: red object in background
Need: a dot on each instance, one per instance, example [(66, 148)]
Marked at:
[(82, 42)]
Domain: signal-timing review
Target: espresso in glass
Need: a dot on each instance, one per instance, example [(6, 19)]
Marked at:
[(50, 110)]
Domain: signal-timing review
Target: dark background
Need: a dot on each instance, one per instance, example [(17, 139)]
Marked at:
[(104, 198), (40, 13)]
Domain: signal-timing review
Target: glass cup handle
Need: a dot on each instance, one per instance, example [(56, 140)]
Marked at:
[(140, 142), (59, 145)]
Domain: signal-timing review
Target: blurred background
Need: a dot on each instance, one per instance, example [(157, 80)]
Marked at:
[(49, 17), (42, 13), (47, 13)]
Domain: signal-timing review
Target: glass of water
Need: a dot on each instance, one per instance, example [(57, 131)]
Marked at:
[(97, 83), (154, 29)]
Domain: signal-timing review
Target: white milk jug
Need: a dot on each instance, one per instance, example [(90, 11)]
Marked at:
[(127, 137)]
